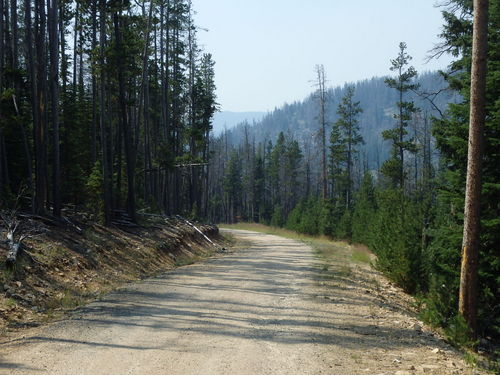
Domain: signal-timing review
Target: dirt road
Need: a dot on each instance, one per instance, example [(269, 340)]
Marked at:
[(261, 310)]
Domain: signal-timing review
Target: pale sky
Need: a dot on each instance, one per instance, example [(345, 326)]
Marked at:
[(266, 50)]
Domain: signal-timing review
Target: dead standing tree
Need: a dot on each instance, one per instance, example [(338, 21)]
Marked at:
[(322, 97)]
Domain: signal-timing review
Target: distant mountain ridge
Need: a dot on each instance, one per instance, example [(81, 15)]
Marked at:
[(227, 119), (378, 101)]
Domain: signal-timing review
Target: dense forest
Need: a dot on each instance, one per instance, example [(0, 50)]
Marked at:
[(381, 162), (104, 106)]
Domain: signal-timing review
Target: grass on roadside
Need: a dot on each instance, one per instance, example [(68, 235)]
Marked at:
[(335, 256)]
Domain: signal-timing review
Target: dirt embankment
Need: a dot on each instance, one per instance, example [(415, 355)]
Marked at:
[(74, 263)]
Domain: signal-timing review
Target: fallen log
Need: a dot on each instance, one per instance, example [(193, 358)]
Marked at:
[(14, 247), (12, 254), (29, 229), (198, 230)]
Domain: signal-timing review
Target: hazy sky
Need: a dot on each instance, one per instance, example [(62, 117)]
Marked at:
[(266, 50)]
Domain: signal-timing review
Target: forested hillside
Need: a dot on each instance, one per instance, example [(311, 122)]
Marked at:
[(381, 162), (300, 119), (104, 106), (223, 120)]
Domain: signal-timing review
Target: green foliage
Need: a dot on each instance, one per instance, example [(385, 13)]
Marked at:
[(347, 127), (136, 105), (396, 239), (258, 189), (451, 133), (278, 218), (337, 161), (344, 227), (233, 184), (458, 332), (93, 188), (294, 219), (328, 214), (414, 226), (306, 217), (364, 212), (393, 168)]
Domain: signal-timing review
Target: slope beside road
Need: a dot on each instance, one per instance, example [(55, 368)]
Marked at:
[(266, 309)]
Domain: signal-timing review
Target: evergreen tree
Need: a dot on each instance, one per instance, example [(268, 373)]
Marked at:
[(290, 184), (348, 124), (119, 83), (364, 211), (403, 83), (451, 136), (337, 161), (233, 186), (259, 189)]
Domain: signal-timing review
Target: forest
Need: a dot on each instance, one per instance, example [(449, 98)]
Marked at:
[(383, 163), (106, 107)]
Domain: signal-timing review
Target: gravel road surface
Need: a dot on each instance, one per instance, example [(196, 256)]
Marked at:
[(258, 311)]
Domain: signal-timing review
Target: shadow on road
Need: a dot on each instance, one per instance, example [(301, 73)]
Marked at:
[(239, 296)]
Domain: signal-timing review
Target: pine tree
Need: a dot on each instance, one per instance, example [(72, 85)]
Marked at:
[(119, 83), (472, 213), (321, 94), (348, 124), (337, 161), (290, 184), (451, 136), (364, 211), (233, 186), (403, 83)]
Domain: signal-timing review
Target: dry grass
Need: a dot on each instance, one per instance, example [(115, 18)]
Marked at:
[(336, 256)]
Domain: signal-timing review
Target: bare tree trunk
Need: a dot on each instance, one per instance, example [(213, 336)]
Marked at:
[(2, 47), (7, 40), (36, 71), (54, 82), (401, 133), (75, 45), (2, 58), (472, 218), (320, 71), (145, 102), (125, 124), (106, 166), (349, 165), (15, 41), (93, 154)]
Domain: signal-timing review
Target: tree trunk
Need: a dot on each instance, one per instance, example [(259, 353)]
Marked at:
[(472, 219), (401, 136), (2, 47), (322, 103), (129, 152), (37, 98), (75, 45), (106, 166), (54, 82), (14, 248), (93, 142), (15, 41)]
